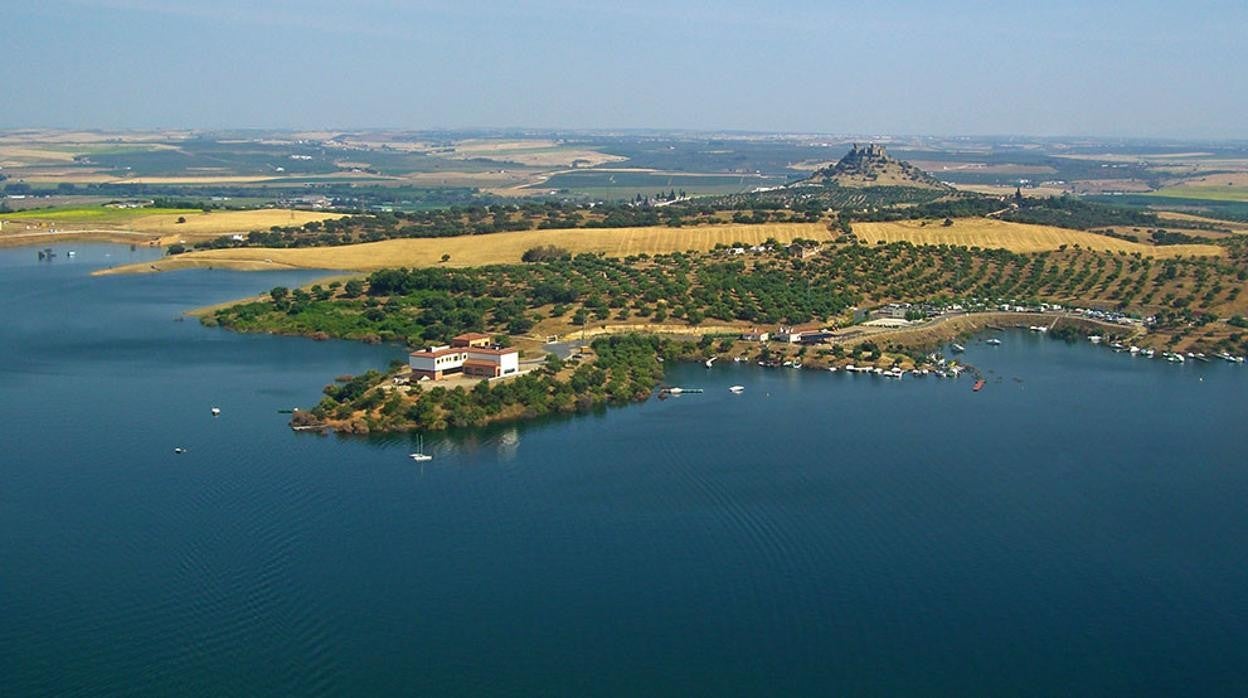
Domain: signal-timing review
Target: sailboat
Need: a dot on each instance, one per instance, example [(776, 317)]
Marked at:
[(420, 455)]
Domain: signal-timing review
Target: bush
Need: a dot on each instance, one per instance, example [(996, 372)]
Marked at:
[(545, 253)]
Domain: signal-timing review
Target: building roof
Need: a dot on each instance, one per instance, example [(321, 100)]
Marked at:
[(494, 352), (482, 364), (434, 353)]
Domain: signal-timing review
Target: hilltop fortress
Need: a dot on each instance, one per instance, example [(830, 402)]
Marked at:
[(871, 166)]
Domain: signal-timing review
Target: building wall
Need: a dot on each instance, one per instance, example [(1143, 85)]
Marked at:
[(509, 363)]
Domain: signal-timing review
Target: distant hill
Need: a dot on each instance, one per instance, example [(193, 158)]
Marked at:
[(871, 166)]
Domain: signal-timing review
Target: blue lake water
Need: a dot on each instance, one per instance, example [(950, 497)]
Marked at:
[(1079, 527)]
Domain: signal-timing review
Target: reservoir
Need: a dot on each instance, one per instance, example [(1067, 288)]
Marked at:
[(1077, 527)]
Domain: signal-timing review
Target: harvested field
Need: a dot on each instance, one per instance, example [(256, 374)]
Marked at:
[(1016, 237), (156, 222), (476, 250)]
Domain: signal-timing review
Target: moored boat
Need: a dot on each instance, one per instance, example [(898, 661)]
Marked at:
[(420, 456)]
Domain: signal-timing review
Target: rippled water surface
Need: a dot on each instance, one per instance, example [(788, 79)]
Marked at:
[(1078, 527)]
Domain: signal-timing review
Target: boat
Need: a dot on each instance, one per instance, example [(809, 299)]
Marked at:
[(994, 342), (979, 385), (216, 411), (71, 253), (179, 450), (710, 362), (420, 455), (737, 389), (958, 348), (1095, 339)]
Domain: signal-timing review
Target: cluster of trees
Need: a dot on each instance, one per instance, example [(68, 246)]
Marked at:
[(1070, 212), (545, 253), (434, 304), (831, 196)]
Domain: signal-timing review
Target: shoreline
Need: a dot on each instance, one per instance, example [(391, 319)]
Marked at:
[(45, 239)]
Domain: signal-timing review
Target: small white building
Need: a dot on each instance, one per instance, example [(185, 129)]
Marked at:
[(788, 335)]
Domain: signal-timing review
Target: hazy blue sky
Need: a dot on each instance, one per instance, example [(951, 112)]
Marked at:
[(1059, 67)]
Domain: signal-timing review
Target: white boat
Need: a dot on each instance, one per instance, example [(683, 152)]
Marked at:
[(179, 450), (1095, 339), (420, 456), (737, 389), (710, 362), (958, 348), (994, 342), (216, 411)]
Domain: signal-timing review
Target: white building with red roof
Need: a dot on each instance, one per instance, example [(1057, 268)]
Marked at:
[(468, 354)]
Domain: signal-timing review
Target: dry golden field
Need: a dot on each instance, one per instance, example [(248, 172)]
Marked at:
[(157, 222), (476, 250), (1017, 237), (224, 222)]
